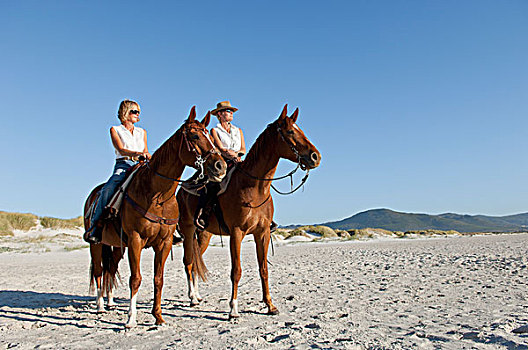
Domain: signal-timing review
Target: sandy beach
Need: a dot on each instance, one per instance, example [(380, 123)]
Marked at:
[(436, 293)]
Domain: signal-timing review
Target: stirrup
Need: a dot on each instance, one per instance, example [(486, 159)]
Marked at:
[(201, 221)]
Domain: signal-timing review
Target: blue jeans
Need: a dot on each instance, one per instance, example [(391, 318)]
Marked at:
[(110, 187)]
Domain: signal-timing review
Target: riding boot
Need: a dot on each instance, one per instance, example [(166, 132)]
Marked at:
[(94, 234), (273, 226), (205, 205), (176, 239)]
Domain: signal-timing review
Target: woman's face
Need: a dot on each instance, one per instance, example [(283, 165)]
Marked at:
[(133, 114), (226, 115)]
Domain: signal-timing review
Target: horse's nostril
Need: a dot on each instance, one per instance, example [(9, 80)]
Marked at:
[(314, 156), (219, 165)]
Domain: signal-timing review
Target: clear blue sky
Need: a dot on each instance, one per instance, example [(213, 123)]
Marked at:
[(417, 106)]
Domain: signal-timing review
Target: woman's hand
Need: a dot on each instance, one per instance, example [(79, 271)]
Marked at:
[(143, 154)]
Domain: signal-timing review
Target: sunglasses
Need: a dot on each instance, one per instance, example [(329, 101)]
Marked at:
[(228, 110), (134, 111)]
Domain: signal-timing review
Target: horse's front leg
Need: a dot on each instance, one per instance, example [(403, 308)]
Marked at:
[(236, 271), (97, 274), (134, 256), (262, 243), (160, 257)]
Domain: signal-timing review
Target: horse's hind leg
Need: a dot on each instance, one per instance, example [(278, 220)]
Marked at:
[(117, 255), (160, 257), (188, 257), (204, 238), (262, 243)]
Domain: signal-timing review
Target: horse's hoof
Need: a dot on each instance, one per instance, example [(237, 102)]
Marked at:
[(273, 312), (100, 309), (159, 321), (130, 325), (233, 317)]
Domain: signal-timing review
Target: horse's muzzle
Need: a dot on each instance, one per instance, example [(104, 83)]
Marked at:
[(311, 160), (217, 171)]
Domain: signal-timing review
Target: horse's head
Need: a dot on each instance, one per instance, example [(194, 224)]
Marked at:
[(198, 150), (292, 143)]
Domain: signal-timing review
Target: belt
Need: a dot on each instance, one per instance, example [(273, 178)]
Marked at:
[(135, 159)]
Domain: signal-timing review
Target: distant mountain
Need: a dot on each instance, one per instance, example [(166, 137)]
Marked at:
[(397, 221)]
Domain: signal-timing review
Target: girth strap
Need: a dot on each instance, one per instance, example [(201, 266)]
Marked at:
[(149, 216)]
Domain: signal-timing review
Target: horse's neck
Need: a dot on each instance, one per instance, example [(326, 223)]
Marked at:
[(167, 164), (262, 166)]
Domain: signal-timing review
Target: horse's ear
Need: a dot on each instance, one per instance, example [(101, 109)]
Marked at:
[(284, 112), (295, 115), (192, 114), (206, 119)]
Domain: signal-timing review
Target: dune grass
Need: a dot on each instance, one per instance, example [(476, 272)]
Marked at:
[(16, 221), (25, 221), (323, 231), (50, 222), (76, 247)]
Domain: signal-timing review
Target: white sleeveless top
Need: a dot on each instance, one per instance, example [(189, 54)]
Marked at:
[(131, 141), (230, 140)]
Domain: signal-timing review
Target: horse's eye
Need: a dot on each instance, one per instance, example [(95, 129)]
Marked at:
[(194, 137), (289, 132)]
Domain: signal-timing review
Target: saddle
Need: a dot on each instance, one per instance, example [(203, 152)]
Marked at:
[(111, 210), (115, 202)]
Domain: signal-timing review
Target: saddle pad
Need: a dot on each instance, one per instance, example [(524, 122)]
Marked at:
[(115, 202)]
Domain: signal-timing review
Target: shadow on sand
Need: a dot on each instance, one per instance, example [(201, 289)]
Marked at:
[(36, 300)]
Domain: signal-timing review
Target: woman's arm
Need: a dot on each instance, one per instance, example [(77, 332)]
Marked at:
[(242, 143), (145, 151)]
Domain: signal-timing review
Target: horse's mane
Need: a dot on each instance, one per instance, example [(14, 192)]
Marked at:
[(262, 143), (167, 150)]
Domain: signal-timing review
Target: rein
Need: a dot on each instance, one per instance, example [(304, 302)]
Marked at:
[(290, 174)]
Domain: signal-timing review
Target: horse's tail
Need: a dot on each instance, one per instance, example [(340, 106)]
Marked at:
[(199, 267), (88, 209), (111, 257)]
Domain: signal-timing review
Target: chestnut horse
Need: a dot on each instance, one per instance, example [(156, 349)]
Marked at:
[(247, 205), (149, 212)]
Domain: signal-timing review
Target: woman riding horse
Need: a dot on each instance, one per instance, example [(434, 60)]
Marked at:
[(230, 141), (149, 212), (130, 142), (247, 205)]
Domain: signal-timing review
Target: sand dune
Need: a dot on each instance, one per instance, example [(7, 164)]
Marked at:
[(449, 293)]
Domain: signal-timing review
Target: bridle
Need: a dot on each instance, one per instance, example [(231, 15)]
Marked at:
[(200, 160), (290, 174)]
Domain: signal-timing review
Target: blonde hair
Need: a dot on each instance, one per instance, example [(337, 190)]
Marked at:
[(125, 107)]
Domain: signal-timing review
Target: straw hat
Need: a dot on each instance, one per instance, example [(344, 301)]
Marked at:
[(221, 106)]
